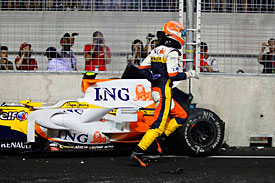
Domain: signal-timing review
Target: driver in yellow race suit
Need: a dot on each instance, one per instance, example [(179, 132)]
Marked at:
[(160, 67)]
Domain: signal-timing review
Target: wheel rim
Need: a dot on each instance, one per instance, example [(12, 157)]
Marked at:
[(203, 133)]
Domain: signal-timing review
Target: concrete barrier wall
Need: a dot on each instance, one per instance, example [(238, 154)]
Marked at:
[(41, 87), (244, 103)]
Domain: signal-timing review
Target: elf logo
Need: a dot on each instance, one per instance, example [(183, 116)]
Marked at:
[(21, 116)]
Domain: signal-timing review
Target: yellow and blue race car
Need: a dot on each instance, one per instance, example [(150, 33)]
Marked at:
[(111, 113)]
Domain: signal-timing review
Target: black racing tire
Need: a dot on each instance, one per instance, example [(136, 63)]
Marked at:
[(202, 134)]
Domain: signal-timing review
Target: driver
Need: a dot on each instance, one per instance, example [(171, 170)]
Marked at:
[(160, 67)]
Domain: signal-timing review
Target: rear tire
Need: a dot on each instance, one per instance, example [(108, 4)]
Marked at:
[(202, 134)]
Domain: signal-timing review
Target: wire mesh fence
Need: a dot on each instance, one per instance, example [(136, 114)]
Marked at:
[(90, 5), (60, 35), (48, 29), (252, 6), (237, 41)]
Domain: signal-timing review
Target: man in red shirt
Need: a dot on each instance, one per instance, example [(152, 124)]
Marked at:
[(24, 60), (97, 55), (204, 67)]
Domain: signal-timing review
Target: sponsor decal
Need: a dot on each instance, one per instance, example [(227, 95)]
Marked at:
[(97, 138), (175, 69), (158, 59), (162, 51), (174, 58), (207, 115), (141, 94), (186, 133), (75, 105), (218, 135), (80, 137), (101, 147), (21, 116), (15, 145), (107, 94), (74, 137), (87, 147), (76, 147)]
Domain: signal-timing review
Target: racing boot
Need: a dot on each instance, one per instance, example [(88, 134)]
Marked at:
[(161, 144), (136, 158), (159, 149)]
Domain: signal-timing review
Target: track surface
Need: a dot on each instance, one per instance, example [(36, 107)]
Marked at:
[(233, 165)]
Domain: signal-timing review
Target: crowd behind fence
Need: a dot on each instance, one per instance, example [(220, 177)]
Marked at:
[(252, 6), (232, 35)]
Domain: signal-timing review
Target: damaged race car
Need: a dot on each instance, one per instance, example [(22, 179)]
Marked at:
[(113, 113)]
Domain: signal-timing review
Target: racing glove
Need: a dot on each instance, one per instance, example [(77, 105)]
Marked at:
[(192, 74)]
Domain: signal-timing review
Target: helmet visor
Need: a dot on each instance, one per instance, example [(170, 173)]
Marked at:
[(182, 33)]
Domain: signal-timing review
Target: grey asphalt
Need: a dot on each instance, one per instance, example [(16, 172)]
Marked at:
[(229, 165)]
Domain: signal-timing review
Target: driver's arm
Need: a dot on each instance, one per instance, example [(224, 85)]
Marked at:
[(172, 63), (144, 68)]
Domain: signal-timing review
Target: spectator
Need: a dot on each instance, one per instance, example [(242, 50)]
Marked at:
[(216, 5), (24, 60), (149, 38), (204, 67), (97, 55), (99, 5), (115, 5), (4, 4), (267, 56), (66, 54), (55, 6), (212, 62), (55, 62), (138, 54), (154, 43), (5, 64)]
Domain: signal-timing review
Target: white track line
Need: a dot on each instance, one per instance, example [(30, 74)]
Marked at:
[(244, 157), (214, 157)]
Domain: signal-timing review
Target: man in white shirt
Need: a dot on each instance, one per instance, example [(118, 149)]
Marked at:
[(67, 41), (55, 62)]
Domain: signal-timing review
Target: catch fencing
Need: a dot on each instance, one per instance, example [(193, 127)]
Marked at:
[(233, 30)]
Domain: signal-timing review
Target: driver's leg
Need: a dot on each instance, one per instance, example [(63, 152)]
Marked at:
[(179, 117), (162, 97), (161, 116)]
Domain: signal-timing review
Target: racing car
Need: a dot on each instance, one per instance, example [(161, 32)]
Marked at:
[(111, 113)]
